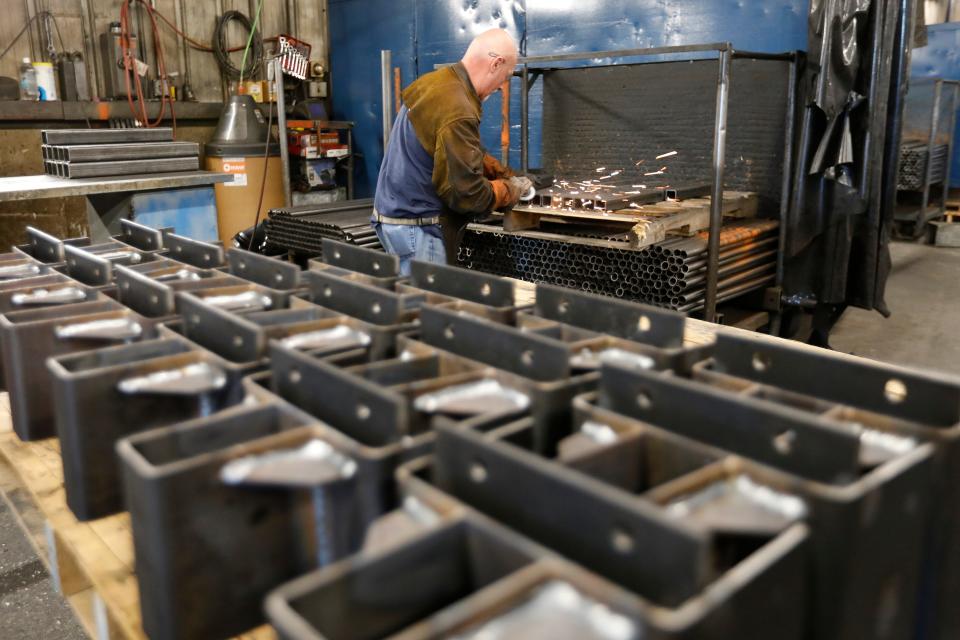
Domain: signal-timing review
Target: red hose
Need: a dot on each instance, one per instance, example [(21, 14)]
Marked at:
[(130, 68)]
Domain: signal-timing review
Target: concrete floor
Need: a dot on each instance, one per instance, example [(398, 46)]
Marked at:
[(30, 607), (923, 294)]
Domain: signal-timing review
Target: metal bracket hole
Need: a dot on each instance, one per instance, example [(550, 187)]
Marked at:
[(448, 332), (644, 324), (294, 376), (485, 290), (375, 308), (621, 541), (527, 358), (895, 391), (644, 401), (783, 442), (761, 362), (363, 411), (478, 472)]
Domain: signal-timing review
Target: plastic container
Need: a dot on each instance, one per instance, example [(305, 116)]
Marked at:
[(238, 148), (28, 81), (46, 80)]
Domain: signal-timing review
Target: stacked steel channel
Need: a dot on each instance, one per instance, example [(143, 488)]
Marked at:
[(101, 153), (303, 229), (670, 274)]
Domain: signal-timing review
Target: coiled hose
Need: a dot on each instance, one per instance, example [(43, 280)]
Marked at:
[(221, 50)]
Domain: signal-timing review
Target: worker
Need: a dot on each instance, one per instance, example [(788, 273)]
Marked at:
[(435, 176)]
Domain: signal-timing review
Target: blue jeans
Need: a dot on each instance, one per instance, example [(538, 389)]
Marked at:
[(409, 242)]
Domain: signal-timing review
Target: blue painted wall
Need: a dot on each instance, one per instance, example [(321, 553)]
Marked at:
[(422, 33), (941, 59)]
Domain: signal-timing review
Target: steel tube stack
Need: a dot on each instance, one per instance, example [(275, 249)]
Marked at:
[(100, 153), (302, 229), (670, 274)]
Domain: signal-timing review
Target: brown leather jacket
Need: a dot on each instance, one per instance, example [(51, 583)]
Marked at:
[(444, 110)]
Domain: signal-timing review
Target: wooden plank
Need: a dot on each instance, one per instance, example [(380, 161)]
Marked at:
[(93, 561), (520, 220), (688, 217)]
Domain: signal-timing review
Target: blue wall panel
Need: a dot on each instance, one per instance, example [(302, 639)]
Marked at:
[(359, 29), (941, 59), (422, 33), (445, 29)]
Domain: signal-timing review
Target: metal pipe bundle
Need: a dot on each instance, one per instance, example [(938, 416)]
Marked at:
[(670, 274), (303, 229)]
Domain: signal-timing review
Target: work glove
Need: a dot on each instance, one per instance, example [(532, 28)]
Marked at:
[(525, 185), (493, 170), (508, 192)]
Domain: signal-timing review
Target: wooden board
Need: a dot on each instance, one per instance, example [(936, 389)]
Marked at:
[(91, 563), (646, 224)]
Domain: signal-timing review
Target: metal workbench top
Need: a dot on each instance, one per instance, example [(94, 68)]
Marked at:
[(46, 186)]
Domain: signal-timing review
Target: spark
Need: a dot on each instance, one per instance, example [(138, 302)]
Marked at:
[(666, 155), (654, 173), (634, 205), (604, 177), (601, 169), (639, 186), (640, 162), (616, 173)]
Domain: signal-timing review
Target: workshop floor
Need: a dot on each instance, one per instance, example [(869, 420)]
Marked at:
[(30, 608), (923, 294)]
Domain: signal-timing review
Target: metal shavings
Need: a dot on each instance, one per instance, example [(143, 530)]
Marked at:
[(556, 610), (339, 337), (473, 398), (598, 432), (196, 378), (782, 504), (666, 155), (313, 464)]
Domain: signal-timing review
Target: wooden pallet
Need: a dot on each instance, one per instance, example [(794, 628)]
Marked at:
[(90, 563), (646, 224)]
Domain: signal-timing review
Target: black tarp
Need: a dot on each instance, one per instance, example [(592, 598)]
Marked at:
[(852, 101)]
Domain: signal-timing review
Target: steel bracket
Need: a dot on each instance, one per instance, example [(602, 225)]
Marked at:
[(367, 261)]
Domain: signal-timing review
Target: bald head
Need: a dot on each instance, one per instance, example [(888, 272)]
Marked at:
[(490, 60)]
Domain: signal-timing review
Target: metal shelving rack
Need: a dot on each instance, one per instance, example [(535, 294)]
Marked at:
[(926, 151)]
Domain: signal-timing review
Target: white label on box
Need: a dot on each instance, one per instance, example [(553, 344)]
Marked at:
[(237, 167)]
